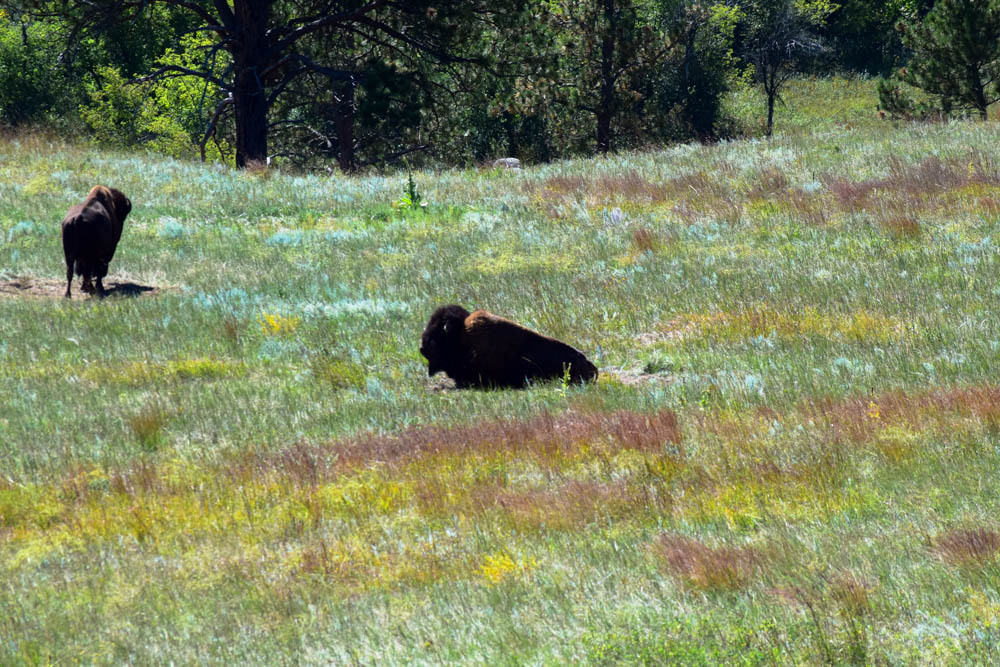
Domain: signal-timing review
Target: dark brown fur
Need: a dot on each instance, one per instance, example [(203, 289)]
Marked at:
[(90, 235), (481, 349)]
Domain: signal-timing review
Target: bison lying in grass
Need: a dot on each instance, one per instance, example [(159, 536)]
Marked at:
[(483, 350), (90, 234)]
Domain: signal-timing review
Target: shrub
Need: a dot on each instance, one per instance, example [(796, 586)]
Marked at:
[(168, 115), (338, 373), (30, 81)]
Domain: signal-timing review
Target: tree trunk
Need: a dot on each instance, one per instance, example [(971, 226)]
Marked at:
[(603, 130), (605, 107), (251, 123), (344, 125), (510, 130), (251, 56), (770, 113), (978, 90), (771, 89)]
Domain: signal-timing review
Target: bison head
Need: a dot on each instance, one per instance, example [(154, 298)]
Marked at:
[(123, 205), (441, 341), (115, 201)]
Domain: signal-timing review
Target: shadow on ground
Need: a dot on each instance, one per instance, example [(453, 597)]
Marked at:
[(128, 289), (45, 288)]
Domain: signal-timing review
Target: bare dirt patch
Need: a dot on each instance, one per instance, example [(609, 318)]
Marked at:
[(673, 331), (634, 377), (630, 377), (31, 287)]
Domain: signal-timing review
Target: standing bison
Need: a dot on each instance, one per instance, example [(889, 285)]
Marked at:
[(483, 350), (90, 234)]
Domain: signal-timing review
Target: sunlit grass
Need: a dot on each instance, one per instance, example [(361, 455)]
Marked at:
[(789, 456), (762, 321)]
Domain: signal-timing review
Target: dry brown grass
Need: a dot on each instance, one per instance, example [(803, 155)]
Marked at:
[(987, 204), (446, 469), (565, 184), (854, 419), (900, 224), (232, 330), (852, 593), (696, 184), (693, 195), (850, 196), (259, 169), (770, 182), (645, 240), (968, 546), (630, 187), (893, 426), (896, 202), (704, 567), (546, 439), (148, 425), (570, 505), (541, 437), (897, 199), (808, 208), (793, 596)]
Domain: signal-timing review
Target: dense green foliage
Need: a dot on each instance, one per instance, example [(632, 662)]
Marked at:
[(861, 35), (956, 59), (166, 115), (556, 78), (28, 55), (791, 454), (47, 71)]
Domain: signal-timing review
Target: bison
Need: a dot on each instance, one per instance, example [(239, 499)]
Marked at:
[(481, 349), (90, 234)]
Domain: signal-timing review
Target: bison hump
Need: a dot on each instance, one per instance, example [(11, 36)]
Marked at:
[(484, 323), (499, 348)]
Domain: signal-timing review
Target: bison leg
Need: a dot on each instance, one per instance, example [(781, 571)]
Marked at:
[(100, 289), (69, 276)]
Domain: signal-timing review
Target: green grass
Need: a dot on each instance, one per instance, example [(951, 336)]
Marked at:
[(791, 455)]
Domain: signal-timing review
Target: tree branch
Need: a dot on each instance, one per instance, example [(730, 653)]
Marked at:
[(225, 13), (181, 71), (285, 38), (210, 129), (398, 154), (191, 7), (418, 44), (309, 66)]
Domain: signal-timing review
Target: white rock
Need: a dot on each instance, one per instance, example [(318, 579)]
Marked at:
[(507, 163)]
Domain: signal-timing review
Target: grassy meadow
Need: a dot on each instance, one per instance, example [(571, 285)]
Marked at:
[(792, 454)]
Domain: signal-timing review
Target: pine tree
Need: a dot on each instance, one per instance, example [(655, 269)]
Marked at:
[(956, 54), (609, 47)]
